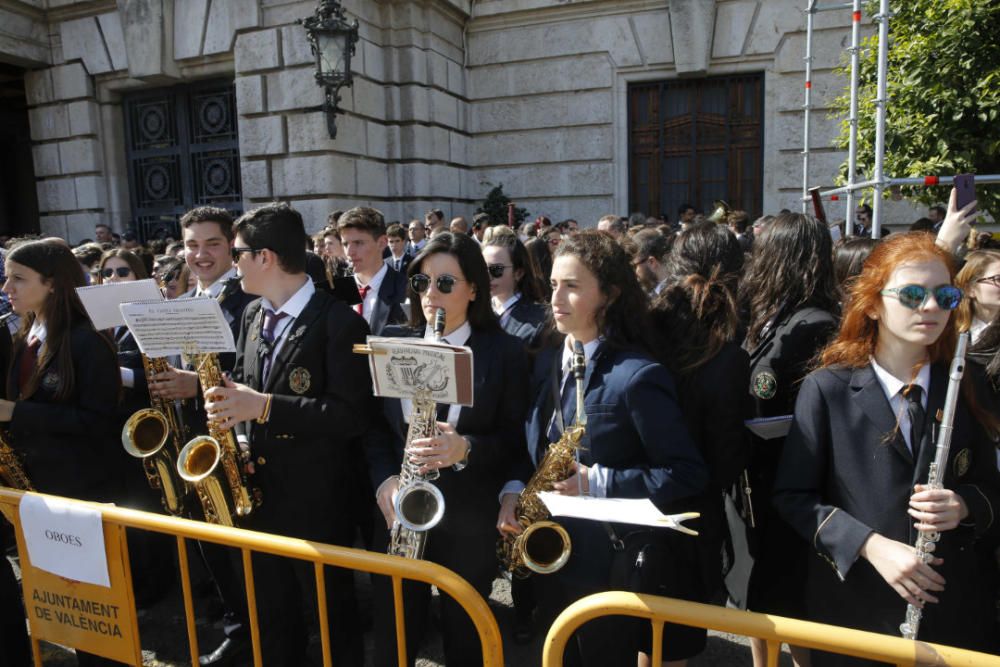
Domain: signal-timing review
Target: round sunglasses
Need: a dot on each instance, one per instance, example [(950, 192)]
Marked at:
[(915, 296), (496, 270), (421, 282), (122, 271)]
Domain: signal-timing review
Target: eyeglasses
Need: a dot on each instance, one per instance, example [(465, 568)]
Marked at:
[(122, 271), (496, 270), (640, 261), (554, 240), (421, 282), (239, 251), (915, 296), (992, 280)]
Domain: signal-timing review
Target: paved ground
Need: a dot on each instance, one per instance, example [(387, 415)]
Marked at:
[(162, 629)]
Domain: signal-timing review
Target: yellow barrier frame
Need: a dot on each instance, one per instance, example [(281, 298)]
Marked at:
[(319, 554), (774, 629)]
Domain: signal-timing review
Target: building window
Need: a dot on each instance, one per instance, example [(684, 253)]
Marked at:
[(182, 151), (695, 142)]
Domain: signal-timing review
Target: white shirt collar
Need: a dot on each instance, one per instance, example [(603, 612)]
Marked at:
[(376, 281), (459, 336), (977, 327), (588, 351), (296, 304), (892, 386), (501, 308), (38, 331), (216, 287)]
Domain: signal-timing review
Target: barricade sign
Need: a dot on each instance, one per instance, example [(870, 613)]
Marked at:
[(97, 619)]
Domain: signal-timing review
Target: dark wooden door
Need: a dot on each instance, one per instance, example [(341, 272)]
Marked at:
[(182, 149), (694, 142)]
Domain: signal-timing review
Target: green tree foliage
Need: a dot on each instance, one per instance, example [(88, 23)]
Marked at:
[(944, 95), (495, 207)]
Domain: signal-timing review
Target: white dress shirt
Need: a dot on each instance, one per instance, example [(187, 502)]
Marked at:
[(292, 308), (373, 287), (503, 309), (215, 288), (893, 388)]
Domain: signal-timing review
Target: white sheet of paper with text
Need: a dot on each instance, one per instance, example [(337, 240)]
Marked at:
[(178, 326), (102, 301), (65, 538)]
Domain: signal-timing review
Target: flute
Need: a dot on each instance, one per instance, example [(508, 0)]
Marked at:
[(926, 540)]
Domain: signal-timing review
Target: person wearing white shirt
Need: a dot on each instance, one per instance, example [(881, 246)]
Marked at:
[(382, 288), (979, 280)]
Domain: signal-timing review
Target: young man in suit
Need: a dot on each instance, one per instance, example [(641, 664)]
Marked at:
[(398, 258), (300, 400), (382, 288)]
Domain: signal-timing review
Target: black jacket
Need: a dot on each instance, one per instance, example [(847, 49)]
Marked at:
[(846, 471), (388, 306), (526, 320)]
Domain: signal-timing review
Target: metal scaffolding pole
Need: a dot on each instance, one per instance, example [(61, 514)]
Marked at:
[(852, 154), (881, 103), (926, 181), (807, 107)]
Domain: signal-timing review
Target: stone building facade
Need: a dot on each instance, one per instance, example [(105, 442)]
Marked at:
[(450, 98)]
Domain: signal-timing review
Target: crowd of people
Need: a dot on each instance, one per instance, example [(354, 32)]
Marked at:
[(688, 331)]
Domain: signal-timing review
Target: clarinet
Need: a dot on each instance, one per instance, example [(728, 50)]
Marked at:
[(927, 540)]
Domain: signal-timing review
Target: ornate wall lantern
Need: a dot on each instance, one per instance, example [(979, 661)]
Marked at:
[(333, 41)]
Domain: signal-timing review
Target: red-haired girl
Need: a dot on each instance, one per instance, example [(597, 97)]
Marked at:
[(852, 474)]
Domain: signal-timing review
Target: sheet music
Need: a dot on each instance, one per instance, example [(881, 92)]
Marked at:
[(102, 301), (167, 328)]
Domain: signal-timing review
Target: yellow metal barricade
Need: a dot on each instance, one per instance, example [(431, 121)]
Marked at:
[(317, 553), (774, 629)]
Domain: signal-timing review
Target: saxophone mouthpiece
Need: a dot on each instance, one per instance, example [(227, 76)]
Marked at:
[(439, 320), (579, 361)]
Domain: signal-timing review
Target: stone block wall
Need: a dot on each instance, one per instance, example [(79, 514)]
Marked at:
[(451, 97)]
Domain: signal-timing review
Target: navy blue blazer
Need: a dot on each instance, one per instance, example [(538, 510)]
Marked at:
[(634, 426), (526, 320), (404, 262), (846, 472), (494, 426), (388, 309)]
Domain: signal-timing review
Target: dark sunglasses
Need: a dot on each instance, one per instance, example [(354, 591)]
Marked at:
[(239, 251), (992, 280), (421, 282), (915, 296), (496, 270), (122, 271)]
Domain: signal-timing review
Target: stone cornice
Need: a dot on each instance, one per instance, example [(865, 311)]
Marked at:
[(533, 12)]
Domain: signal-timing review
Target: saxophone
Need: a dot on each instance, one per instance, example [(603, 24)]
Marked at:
[(213, 464), (926, 541), (419, 505), (543, 546), (145, 436), (11, 471)]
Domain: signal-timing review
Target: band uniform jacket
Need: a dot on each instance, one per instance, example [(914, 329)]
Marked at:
[(388, 307), (404, 262), (72, 448), (526, 320), (846, 471), (493, 425)]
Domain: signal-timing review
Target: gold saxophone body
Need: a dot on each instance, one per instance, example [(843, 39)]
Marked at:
[(212, 464), (544, 546), (11, 471), (145, 436)]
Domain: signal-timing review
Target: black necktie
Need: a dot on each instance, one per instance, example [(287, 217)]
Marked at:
[(915, 409)]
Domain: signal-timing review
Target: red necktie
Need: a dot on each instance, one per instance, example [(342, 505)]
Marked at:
[(360, 307), (29, 359)]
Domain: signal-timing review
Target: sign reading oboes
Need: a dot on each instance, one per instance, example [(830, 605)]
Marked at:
[(75, 577)]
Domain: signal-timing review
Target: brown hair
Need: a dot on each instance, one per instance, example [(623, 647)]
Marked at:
[(974, 269), (219, 216), (364, 219), (130, 258)]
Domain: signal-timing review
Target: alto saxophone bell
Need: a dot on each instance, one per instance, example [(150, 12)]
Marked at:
[(200, 465), (419, 506), (543, 547), (145, 436)]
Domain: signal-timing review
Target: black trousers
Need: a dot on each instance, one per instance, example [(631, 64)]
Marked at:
[(474, 559), (300, 499)]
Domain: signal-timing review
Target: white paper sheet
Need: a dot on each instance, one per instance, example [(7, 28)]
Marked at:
[(770, 428), (638, 511), (178, 326), (102, 301), (65, 539)]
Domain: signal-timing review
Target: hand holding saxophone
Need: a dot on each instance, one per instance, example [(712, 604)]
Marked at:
[(233, 403), (6, 410), (936, 509), (442, 450), (173, 384), (576, 484)]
